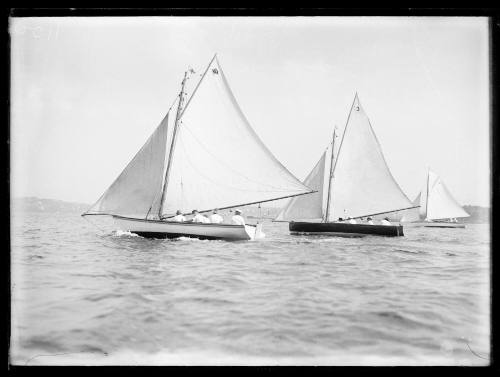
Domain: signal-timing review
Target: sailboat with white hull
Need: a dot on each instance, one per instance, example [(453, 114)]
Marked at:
[(351, 180), (437, 207), (204, 155)]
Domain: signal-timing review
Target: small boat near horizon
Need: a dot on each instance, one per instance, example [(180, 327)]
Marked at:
[(437, 207), (352, 181), (204, 155)]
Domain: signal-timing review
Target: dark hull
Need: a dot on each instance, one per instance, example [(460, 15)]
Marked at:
[(346, 229), (162, 235)]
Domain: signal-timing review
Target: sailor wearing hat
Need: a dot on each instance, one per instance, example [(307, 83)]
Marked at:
[(179, 217), (237, 218), (215, 218)]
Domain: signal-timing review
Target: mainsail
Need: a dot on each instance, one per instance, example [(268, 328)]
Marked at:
[(204, 156), (436, 202), (362, 183), (219, 161)]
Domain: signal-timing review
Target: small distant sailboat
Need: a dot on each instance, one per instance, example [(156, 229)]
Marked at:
[(204, 155), (438, 208), (352, 180)]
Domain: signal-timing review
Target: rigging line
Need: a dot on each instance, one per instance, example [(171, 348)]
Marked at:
[(196, 88), (381, 213), (343, 134), (227, 166), (90, 222), (218, 183), (172, 144)]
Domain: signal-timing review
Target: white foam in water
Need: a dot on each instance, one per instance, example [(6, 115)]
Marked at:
[(121, 233)]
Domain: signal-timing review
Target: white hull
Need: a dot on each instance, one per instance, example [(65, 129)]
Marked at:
[(166, 229), (431, 224)]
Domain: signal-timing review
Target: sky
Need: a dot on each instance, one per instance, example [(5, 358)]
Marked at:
[(86, 93)]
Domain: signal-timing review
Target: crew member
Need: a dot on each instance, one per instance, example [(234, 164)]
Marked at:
[(179, 217), (215, 218), (385, 221), (199, 218), (237, 218)]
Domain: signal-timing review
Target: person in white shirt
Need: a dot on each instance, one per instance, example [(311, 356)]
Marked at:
[(385, 221), (369, 221), (215, 218), (352, 221), (237, 218), (179, 217), (199, 218)]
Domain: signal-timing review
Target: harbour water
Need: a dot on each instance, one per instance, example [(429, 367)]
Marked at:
[(81, 296)]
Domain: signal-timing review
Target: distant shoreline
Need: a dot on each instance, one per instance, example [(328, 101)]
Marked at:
[(479, 214)]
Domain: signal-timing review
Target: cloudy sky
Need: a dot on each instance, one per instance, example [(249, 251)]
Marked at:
[(87, 92)]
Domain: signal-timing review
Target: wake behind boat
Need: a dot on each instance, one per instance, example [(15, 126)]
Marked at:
[(204, 155), (437, 207), (355, 181)]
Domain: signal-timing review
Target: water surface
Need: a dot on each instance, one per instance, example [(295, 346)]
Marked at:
[(81, 296)]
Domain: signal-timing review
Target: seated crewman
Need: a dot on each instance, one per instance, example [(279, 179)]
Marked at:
[(237, 218), (199, 218), (385, 221), (215, 218), (179, 217)]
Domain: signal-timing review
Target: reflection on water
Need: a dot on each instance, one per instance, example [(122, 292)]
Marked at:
[(81, 296)]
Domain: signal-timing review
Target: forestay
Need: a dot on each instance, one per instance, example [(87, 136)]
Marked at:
[(362, 183), (218, 160)]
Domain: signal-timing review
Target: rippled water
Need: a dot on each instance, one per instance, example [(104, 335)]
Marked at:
[(83, 297)]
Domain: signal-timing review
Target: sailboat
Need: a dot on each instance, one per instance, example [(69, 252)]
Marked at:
[(438, 208), (351, 180), (204, 155)]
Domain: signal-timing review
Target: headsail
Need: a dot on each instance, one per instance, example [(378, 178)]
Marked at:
[(413, 214), (308, 206), (136, 190), (219, 161), (362, 183)]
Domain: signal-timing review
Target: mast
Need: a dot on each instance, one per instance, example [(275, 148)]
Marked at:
[(172, 144), (332, 169), (330, 175), (427, 194)]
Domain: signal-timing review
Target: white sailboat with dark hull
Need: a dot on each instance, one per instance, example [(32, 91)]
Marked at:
[(351, 180), (437, 207), (203, 155)]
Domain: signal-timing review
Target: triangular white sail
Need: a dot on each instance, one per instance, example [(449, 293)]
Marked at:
[(413, 214), (218, 160), (436, 202), (362, 183), (308, 206), (440, 202), (136, 190)]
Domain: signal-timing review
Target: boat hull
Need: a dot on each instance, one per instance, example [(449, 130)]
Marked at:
[(345, 229), (166, 229), (436, 224)]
